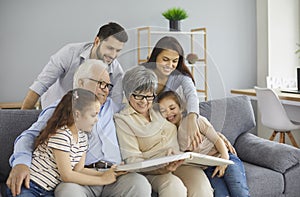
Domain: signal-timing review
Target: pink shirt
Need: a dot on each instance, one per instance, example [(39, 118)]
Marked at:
[(208, 133)]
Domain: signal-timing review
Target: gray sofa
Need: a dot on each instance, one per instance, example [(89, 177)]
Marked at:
[(272, 169), (12, 123)]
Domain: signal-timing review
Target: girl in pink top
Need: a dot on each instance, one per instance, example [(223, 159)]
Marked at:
[(226, 180)]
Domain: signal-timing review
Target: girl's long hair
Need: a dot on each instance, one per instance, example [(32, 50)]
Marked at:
[(77, 99), (169, 43)]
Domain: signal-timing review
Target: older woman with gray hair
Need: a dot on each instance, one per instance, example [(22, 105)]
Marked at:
[(144, 134)]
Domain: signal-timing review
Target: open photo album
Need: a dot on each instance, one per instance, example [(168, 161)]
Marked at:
[(189, 157)]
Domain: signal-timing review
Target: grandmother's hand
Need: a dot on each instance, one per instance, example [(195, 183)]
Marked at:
[(172, 166)]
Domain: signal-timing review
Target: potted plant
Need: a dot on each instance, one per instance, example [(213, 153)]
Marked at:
[(175, 15)]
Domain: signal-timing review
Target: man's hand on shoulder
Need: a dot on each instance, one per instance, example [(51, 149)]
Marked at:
[(30, 100), (18, 175)]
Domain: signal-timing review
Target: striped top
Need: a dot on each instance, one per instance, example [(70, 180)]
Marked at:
[(43, 170)]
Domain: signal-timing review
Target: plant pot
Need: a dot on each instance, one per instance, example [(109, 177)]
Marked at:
[(174, 25)]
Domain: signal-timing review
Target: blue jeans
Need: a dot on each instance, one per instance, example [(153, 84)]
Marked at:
[(34, 190), (233, 183)]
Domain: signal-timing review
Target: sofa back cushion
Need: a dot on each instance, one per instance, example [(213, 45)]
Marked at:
[(12, 123), (231, 116)]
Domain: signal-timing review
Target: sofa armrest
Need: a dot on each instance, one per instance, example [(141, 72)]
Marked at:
[(266, 153)]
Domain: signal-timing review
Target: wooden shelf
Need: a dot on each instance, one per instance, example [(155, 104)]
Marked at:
[(15, 105), (178, 32)]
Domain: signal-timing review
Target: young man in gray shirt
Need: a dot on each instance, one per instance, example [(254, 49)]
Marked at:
[(56, 78)]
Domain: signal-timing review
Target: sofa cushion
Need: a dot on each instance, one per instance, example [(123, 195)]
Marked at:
[(266, 153), (264, 181), (292, 188), (12, 123), (232, 116)]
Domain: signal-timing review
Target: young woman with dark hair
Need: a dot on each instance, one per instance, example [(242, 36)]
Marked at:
[(167, 62)]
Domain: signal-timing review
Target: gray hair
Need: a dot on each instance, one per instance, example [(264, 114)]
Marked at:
[(86, 69), (139, 79)]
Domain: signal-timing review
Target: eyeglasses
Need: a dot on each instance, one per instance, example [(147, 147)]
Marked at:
[(141, 97), (102, 84)]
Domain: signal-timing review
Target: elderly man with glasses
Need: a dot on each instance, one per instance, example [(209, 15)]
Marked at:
[(103, 149)]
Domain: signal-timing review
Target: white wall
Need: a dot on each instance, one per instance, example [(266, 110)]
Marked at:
[(278, 31), (32, 30), (262, 42), (283, 36)]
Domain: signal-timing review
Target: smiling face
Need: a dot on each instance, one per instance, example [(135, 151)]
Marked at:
[(85, 119), (170, 110), (97, 74), (107, 50), (143, 105), (166, 62)]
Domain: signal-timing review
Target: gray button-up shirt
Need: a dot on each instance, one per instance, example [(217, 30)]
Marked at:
[(56, 79)]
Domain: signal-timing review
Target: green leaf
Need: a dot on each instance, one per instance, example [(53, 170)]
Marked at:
[(175, 14)]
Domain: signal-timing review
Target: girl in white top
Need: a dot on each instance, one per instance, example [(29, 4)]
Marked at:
[(226, 180), (60, 149)]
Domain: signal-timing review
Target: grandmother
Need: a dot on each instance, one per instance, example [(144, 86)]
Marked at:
[(144, 134)]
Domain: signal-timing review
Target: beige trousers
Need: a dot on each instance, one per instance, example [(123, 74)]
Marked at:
[(196, 181), (188, 181), (166, 185)]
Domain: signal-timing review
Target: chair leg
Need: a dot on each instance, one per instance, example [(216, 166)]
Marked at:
[(282, 137), (292, 139), (273, 135)]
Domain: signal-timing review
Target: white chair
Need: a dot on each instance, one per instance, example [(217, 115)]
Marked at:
[(274, 116)]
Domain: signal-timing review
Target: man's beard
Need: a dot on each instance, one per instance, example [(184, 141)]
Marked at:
[(100, 56)]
